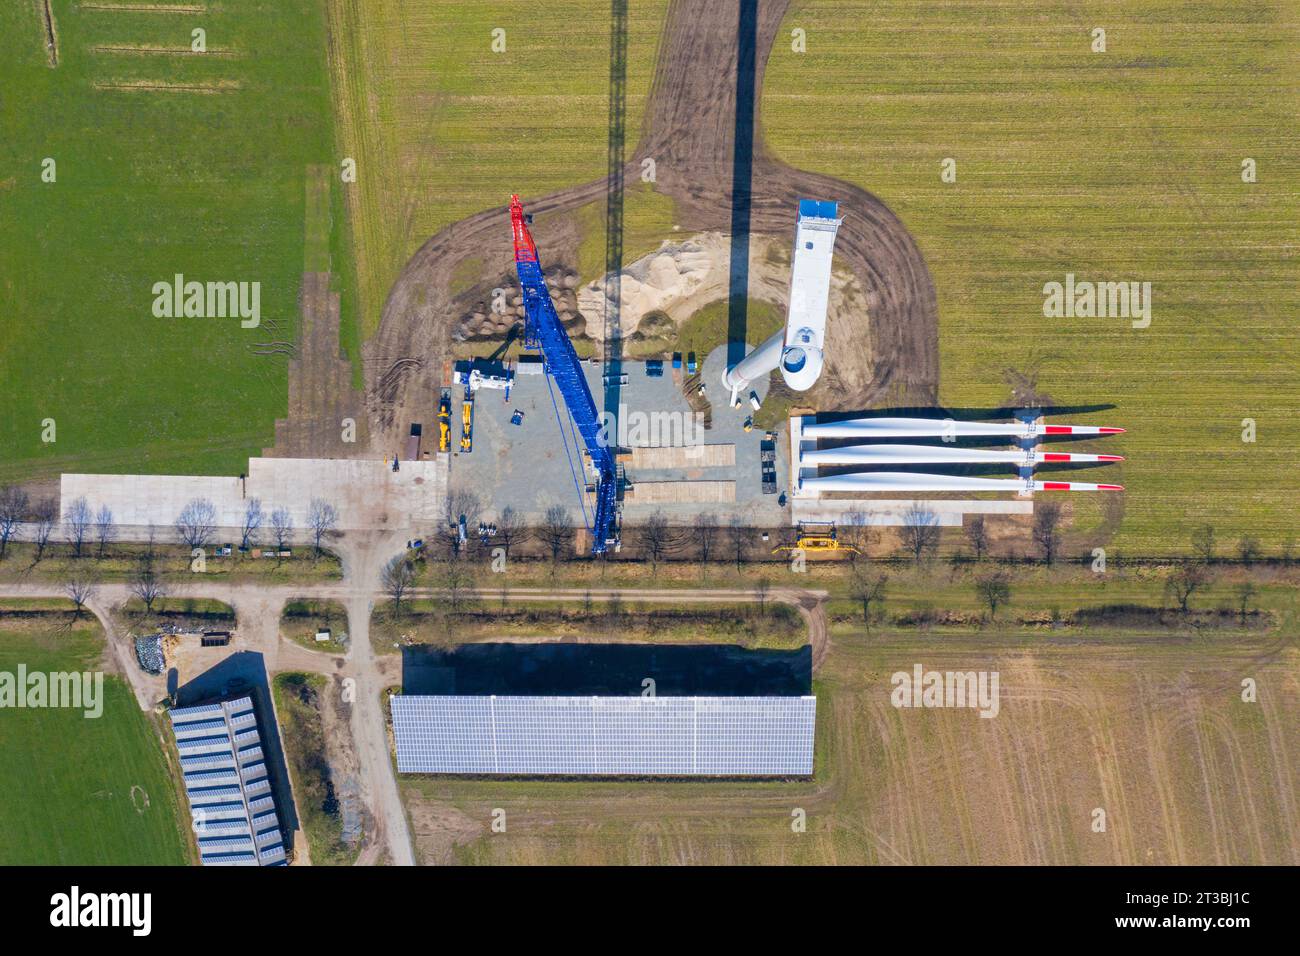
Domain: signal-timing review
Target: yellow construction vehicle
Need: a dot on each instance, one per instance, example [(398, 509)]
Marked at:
[(444, 421), (467, 425), (817, 538)]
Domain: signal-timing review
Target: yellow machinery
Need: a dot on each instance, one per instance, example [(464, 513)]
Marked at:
[(467, 425), (817, 538), (444, 422)]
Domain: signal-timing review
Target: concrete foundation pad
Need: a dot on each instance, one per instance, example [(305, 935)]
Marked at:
[(948, 513), (368, 495)]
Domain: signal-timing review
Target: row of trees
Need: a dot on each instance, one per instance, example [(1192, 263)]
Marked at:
[(1247, 550), (868, 589), (196, 526), (40, 517), (555, 533), (707, 539)]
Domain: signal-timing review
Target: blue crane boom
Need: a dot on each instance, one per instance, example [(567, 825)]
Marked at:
[(543, 331)]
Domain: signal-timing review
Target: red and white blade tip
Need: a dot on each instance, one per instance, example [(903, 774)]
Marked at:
[(1082, 430), (1077, 486)]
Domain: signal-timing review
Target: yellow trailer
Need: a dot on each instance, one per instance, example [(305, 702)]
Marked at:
[(444, 422), (467, 425), (818, 538)]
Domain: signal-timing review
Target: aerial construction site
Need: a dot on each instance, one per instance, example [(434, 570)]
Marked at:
[(613, 439), (681, 431)]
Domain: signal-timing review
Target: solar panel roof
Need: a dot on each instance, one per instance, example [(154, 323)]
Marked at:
[(605, 736), (212, 765)]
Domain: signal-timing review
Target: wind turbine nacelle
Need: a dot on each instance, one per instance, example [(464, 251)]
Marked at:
[(801, 364)]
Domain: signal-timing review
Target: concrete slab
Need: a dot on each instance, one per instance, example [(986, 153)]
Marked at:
[(682, 492), (369, 495), (890, 512), (527, 466)]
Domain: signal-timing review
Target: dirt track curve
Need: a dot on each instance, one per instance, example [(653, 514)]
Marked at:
[(690, 130)]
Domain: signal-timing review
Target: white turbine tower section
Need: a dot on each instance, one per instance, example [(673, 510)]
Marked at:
[(798, 348), (906, 481), (872, 428), (933, 455)]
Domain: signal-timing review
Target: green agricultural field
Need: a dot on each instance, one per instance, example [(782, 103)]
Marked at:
[(166, 162), (81, 791), (1122, 165), (442, 127)]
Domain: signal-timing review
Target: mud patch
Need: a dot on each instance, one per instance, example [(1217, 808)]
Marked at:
[(321, 396), (51, 32), (438, 828)]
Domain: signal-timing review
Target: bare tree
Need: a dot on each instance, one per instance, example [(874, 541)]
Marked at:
[(1248, 549), (655, 537), (253, 517), (80, 589), (455, 581), (44, 516), (323, 518), (994, 589), (737, 539), (868, 589), (105, 529), (857, 534), (76, 524), (146, 584), (510, 529), (151, 541), (397, 577), (762, 587), (1046, 530), (978, 536), (463, 509), (281, 527), (706, 535), (13, 508), (556, 532), (1203, 542), (1185, 580), (920, 531), (197, 523), (1245, 593)]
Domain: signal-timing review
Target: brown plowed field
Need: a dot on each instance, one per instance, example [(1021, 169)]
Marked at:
[(1150, 732)]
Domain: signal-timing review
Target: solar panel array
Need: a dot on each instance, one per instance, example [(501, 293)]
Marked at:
[(227, 784), (605, 736)]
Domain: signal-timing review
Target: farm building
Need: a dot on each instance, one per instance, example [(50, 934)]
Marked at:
[(227, 784)]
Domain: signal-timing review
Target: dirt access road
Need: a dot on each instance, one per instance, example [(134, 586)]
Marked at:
[(258, 609), (702, 129)]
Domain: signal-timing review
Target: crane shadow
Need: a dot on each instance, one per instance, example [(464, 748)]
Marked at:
[(742, 179)]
